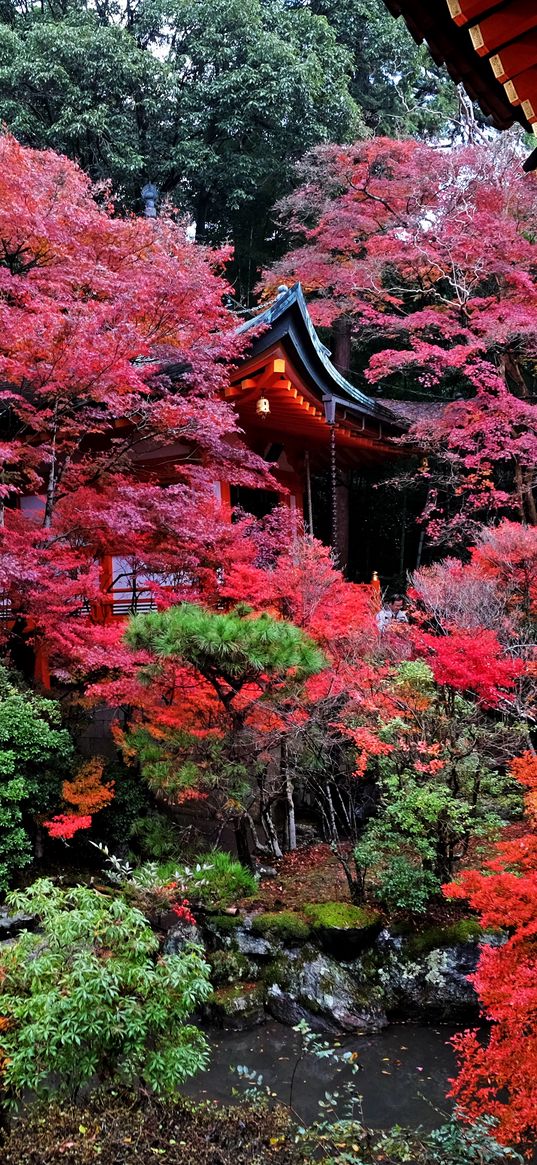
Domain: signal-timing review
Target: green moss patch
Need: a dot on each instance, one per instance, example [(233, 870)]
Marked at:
[(285, 925), (464, 931), (340, 916), (226, 922)]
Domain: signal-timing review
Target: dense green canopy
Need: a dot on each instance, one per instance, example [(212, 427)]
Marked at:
[(214, 100)]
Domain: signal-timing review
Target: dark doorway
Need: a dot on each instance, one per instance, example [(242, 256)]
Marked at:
[(258, 502)]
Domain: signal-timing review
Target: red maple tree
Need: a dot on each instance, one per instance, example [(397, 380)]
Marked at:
[(497, 1077), (427, 258), (114, 343)]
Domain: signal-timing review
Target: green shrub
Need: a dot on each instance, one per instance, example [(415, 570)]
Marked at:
[(400, 884), (458, 1143), (88, 999), (36, 754), (340, 915), (284, 925), (216, 880)]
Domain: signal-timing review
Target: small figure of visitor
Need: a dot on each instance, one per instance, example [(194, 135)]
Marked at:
[(393, 611)]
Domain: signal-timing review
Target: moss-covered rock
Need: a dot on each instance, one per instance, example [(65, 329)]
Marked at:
[(314, 987), (220, 930), (464, 931), (230, 967), (342, 929), (426, 976), (285, 926), (238, 1007), (226, 922)]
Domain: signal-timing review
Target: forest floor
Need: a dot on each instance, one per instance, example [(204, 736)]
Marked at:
[(309, 874)]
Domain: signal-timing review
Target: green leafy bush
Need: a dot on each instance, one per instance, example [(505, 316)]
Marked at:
[(36, 754), (461, 1144), (216, 880), (88, 999), (284, 925)]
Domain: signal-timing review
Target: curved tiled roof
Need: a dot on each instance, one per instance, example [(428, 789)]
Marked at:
[(288, 319)]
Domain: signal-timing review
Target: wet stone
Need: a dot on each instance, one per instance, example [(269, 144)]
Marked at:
[(238, 1008), (323, 992)]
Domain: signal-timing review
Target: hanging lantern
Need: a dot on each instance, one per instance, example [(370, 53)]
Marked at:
[(262, 407)]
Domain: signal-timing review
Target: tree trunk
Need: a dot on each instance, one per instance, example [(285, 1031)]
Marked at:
[(242, 842), (202, 202), (342, 336), (287, 784), (270, 830)]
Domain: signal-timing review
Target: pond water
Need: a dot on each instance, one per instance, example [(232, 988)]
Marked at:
[(403, 1079)]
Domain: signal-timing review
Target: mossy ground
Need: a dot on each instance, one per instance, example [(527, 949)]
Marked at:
[(463, 931), (284, 925), (340, 916)]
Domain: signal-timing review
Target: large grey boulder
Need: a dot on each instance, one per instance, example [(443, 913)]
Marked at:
[(433, 985), (314, 987)]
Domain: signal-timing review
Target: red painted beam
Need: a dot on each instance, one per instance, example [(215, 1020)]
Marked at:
[(515, 58), (508, 23), (463, 11)]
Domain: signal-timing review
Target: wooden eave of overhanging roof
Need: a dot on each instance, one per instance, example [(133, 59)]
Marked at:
[(289, 365), (488, 45)]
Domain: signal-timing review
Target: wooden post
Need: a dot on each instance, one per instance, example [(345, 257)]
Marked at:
[(309, 506)]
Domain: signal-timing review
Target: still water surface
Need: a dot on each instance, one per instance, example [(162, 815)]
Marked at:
[(403, 1079)]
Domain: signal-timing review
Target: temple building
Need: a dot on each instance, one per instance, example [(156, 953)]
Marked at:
[(319, 432)]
